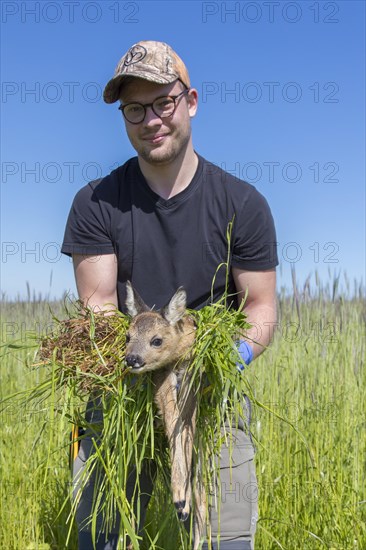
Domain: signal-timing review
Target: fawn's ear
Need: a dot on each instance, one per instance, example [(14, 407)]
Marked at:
[(175, 310), (134, 302)]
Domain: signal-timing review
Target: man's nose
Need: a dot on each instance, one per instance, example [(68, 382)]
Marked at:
[(151, 118)]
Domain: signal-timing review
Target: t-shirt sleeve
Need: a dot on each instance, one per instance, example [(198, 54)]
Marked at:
[(254, 245), (87, 230)]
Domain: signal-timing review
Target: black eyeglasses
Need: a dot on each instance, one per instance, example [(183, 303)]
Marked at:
[(163, 107)]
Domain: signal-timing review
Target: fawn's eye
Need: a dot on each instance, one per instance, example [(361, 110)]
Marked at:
[(156, 342), (128, 338)]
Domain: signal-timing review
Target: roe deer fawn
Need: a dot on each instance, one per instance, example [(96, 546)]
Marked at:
[(161, 342)]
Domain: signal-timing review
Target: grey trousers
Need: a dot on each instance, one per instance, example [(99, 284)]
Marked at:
[(233, 495)]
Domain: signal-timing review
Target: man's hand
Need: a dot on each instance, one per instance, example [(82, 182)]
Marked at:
[(246, 353)]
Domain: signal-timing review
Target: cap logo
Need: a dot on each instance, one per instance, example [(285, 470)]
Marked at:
[(134, 55)]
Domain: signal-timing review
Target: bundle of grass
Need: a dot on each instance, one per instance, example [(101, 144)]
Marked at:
[(85, 355)]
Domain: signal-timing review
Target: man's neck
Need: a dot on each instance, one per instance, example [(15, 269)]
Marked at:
[(167, 180)]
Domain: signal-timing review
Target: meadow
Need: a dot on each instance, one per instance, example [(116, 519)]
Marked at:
[(309, 431)]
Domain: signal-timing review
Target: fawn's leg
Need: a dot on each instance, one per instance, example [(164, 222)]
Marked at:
[(166, 399), (199, 503), (187, 403)]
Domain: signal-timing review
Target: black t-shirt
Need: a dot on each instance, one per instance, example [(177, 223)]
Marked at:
[(163, 244)]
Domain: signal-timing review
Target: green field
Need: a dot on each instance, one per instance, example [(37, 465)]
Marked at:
[(311, 444)]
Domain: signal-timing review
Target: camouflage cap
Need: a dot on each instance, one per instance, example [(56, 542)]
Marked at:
[(149, 60)]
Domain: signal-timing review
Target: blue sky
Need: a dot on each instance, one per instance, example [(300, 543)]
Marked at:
[(281, 88)]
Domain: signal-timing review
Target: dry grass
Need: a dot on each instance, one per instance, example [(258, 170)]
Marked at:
[(91, 344)]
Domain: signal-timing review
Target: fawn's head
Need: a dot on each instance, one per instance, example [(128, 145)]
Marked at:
[(156, 339)]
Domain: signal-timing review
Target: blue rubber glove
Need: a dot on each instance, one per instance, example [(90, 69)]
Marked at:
[(245, 352)]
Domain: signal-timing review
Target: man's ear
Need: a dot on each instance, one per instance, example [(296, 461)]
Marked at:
[(192, 102), (176, 308), (134, 302)]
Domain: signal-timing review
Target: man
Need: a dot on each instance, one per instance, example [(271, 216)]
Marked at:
[(161, 221)]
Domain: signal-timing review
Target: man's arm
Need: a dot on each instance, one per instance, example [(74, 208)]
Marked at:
[(96, 280), (260, 305)]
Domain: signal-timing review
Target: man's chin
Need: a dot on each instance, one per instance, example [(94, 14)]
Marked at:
[(157, 157), (164, 154)]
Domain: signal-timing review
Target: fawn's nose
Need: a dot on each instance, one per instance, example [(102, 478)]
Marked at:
[(134, 361)]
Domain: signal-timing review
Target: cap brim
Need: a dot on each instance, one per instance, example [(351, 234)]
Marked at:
[(112, 90)]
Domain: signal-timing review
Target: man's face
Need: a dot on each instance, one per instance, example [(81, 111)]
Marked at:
[(159, 141)]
